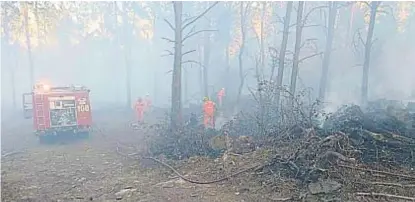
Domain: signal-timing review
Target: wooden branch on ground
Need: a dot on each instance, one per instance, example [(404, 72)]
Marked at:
[(337, 155), (11, 154), (386, 195), (201, 182), (281, 199), (393, 184), (200, 15), (379, 171), (185, 178)]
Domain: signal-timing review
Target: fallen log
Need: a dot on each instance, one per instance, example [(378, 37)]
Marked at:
[(386, 195), (379, 171)]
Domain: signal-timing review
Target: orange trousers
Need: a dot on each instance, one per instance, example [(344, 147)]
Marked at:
[(220, 100), (140, 115), (208, 120)]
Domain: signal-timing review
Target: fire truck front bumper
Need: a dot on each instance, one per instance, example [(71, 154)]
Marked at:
[(66, 129)]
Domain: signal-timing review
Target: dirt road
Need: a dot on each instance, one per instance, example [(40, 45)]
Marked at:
[(91, 169)]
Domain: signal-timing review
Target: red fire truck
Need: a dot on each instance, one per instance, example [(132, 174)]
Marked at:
[(58, 110)]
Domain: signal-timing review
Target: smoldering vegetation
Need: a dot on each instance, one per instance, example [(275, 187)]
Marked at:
[(319, 102)]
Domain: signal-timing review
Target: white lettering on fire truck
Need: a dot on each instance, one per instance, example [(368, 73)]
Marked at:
[(83, 108), (81, 101), (61, 98)]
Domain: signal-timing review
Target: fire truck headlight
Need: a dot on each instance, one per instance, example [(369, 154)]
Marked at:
[(46, 87)]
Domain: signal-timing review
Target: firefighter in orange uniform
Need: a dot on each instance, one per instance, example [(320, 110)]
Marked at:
[(139, 109), (208, 113), (221, 93), (148, 102)]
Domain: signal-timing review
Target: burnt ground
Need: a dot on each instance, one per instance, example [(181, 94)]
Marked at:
[(91, 169)]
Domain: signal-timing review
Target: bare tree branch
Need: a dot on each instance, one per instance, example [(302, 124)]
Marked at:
[(390, 11), (187, 61), (311, 11), (167, 39), (187, 52), (193, 61), (310, 56), (304, 26), (307, 41), (199, 16), (170, 25), (360, 37), (189, 18), (279, 19), (200, 31), (167, 54), (191, 31)]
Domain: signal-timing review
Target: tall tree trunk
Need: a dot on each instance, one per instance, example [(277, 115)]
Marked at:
[(206, 61), (228, 68), (37, 21), (365, 76), (327, 51), (155, 73), (13, 75), (298, 33), (186, 84), (281, 57), (350, 25), (262, 39), (10, 55), (29, 45), (116, 47), (176, 105), (200, 58), (127, 54), (241, 51)]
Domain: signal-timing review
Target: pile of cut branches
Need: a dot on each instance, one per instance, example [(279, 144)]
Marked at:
[(369, 153)]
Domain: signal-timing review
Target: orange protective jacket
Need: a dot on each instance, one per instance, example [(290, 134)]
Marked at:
[(209, 108), (139, 106)]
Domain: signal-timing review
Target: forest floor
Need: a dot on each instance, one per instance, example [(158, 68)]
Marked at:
[(91, 169), (105, 167)]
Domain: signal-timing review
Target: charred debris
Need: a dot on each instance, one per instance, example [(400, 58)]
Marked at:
[(354, 152)]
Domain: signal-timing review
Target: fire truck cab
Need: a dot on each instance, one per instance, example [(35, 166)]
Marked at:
[(57, 110)]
